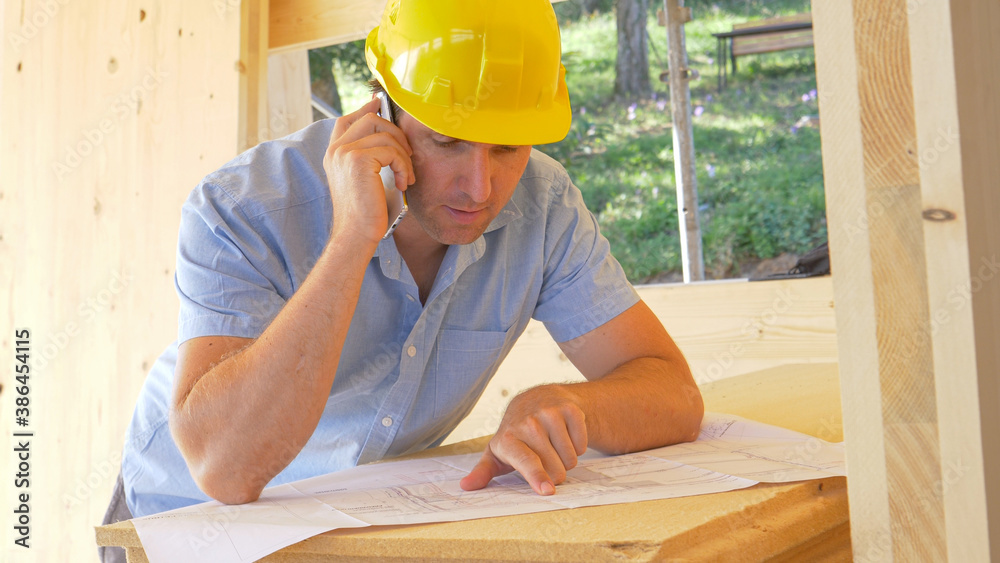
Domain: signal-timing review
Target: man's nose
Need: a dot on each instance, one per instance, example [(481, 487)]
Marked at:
[(478, 184)]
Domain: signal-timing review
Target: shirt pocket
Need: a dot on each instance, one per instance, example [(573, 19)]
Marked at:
[(466, 360)]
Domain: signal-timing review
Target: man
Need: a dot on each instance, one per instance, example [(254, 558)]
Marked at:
[(308, 343)]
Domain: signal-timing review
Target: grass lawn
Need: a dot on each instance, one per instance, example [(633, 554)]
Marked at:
[(760, 183)]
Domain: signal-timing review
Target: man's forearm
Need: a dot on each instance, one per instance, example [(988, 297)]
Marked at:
[(644, 403), (247, 417)]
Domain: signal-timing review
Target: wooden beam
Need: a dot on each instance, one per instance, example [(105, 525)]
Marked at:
[(310, 24), (956, 72), (289, 93), (252, 66), (894, 155), (685, 173)]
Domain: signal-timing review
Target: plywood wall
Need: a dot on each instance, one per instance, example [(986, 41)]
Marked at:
[(111, 113)]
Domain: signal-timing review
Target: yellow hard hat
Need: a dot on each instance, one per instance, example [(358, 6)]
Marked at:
[(487, 71)]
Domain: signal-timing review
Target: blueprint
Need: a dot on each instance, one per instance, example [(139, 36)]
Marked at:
[(731, 453), (736, 446)]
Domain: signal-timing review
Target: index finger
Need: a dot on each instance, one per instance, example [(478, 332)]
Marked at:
[(527, 462), (345, 121), (362, 122)]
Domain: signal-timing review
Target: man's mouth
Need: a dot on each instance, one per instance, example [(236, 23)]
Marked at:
[(464, 216)]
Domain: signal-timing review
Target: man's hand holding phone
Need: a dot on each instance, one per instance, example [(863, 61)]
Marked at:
[(361, 146), (388, 178)]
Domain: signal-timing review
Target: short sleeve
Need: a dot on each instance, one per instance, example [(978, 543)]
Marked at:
[(584, 286), (227, 275)]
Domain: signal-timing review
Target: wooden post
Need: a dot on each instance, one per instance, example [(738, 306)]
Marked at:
[(956, 71), (289, 93), (684, 169), (252, 65), (910, 131)]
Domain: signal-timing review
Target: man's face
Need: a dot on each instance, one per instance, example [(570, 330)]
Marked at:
[(461, 186)]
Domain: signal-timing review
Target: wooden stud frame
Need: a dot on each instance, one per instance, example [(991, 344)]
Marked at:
[(252, 65), (910, 132)]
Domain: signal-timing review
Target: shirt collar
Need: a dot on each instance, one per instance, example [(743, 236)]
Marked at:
[(509, 212)]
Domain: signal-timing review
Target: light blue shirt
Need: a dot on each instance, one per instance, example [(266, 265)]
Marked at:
[(408, 373)]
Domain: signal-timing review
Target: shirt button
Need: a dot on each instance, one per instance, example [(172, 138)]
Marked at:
[(411, 351), (410, 297), (387, 421)]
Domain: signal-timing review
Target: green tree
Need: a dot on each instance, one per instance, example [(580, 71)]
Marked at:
[(349, 58)]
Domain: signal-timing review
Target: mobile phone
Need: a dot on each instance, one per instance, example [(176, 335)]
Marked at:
[(388, 177)]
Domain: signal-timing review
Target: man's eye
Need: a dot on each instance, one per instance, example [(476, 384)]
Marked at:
[(505, 148), (450, 143)]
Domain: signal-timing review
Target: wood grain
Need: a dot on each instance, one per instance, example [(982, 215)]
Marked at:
[(110, 115), (289, 93), (956, 174), (310, 24), (253, 109), (894, 162)]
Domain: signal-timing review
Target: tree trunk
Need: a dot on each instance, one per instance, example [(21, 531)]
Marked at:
[(632, 65)]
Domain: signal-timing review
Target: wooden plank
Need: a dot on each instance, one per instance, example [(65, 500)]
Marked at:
[(894, 161), (957, 132), (289, 93), (975, 31), (906, 375), (724, 329), (771, 42), (847, 218), (685, 171), (110, 116), (794, 18), (310, 24), (253, 110)]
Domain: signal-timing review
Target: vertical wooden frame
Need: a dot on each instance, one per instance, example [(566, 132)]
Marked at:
[(956, 74), (910, 132), (289, 93), (253, 112)]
